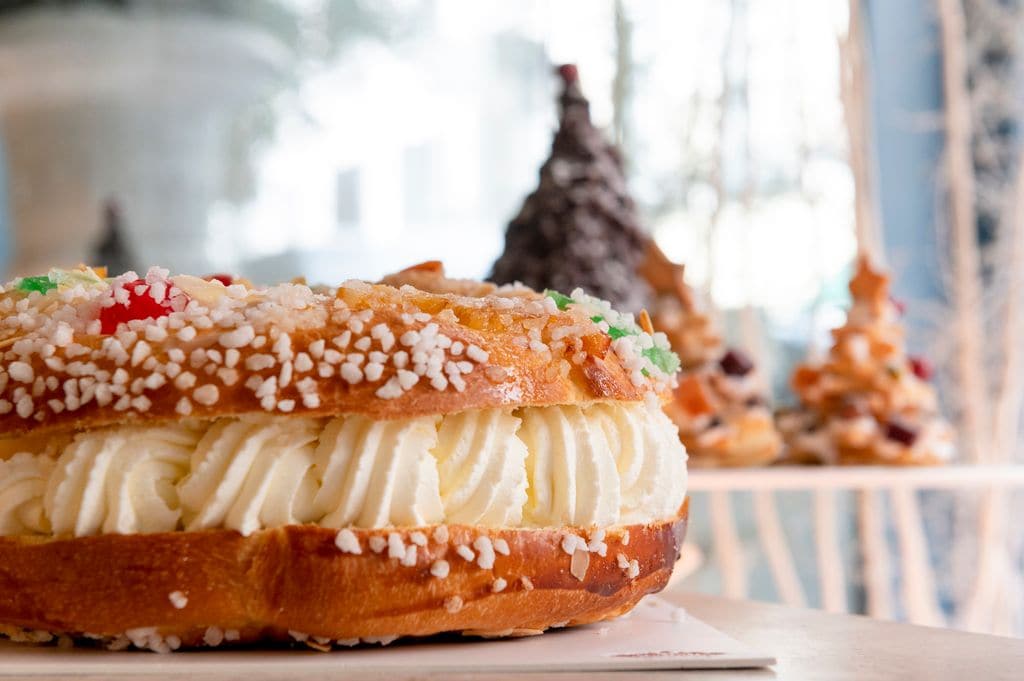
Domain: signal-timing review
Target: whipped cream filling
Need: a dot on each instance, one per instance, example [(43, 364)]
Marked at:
[(597, 465), (572, 472), (22, 486), (649, 458), (119, 480), (249, 474), (377, 473), (482, 467)]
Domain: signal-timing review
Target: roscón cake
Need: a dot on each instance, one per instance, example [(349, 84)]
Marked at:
[(192, 462)]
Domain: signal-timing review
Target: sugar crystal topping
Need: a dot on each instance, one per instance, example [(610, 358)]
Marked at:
[(74, 338)]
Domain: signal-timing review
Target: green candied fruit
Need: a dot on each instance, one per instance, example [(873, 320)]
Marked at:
[(43, 284), (666, 360), (615, 332), (618, 332), (561, 300)]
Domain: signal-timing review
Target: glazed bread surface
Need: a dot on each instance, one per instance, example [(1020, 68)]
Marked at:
[(75, 357)]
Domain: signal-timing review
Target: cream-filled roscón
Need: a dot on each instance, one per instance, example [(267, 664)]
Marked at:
[(190, 462)]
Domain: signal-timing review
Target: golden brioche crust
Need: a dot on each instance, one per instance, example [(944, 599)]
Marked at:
[(294, 582), (315, 359), (429, 276)]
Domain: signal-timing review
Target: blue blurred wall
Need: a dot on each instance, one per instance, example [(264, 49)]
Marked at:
[(907, 105), (906, 73)]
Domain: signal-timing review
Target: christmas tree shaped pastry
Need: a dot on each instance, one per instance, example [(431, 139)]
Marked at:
[(722, 416), (868, 402), (579, 228)]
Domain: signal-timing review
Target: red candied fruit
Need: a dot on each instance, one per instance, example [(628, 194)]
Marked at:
[(225, 279), (922, 368), (735, 363), (140, 305), (897, 431)]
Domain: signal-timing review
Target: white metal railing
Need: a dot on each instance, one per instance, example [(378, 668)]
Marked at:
[(991, 604)]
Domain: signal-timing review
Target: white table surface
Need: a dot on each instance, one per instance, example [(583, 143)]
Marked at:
[(808, 644)]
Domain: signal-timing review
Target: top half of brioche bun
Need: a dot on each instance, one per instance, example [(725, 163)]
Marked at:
[(90, 351)]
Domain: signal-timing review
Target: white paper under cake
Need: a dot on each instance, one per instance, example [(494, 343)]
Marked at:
[(656, 635)]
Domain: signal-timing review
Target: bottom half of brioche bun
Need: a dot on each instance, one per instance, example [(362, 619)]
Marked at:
[(293, 583)]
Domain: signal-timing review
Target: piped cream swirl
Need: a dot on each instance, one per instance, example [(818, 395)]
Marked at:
[(571, 469), (22, 486), (119, 480), (649, 460), (378, 473), (251, 473), (482, 466)]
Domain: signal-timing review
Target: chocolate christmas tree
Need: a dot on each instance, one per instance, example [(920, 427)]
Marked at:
[(722, 415), (868, 402), (579, 228)]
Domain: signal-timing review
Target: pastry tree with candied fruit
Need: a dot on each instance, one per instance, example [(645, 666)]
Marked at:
[(868, 402)]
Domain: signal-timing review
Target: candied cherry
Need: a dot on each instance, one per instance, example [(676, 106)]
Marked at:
[(922, 368), (897, 431), (140, 305)]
